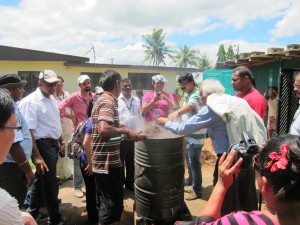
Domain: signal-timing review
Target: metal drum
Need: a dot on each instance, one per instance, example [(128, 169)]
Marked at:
[(159, 174)]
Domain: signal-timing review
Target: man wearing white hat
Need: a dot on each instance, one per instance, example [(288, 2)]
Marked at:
[(78, 102), (42, 116)]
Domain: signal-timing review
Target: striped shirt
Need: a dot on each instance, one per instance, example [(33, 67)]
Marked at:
[(105, 153), (193, 98), (236, 218)]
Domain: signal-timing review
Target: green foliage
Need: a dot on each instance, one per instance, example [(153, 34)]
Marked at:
[(221, 54), (230, 52), (203, 62), (155, 47), (186, 57)]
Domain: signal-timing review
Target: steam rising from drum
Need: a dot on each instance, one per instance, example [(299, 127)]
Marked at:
[(153, 131)]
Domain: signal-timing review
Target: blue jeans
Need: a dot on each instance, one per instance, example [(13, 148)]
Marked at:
[(45, 185), (192, 156), (77, 176)]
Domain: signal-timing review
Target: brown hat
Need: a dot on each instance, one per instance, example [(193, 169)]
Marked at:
[(11, 80)]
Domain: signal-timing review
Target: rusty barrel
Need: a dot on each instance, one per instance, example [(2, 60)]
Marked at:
[(159, 174)]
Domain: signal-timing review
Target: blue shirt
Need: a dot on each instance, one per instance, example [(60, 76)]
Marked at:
[(205, 118), (26, 143), (88, 126)]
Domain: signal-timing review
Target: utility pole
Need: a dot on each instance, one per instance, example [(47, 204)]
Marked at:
[(112, 60), (237, 51)]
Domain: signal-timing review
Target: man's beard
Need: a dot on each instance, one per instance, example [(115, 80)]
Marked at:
[(87, 89)]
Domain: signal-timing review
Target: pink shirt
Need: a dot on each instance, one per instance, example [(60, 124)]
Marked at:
[(160, 108), (256, 101), (77, 104)]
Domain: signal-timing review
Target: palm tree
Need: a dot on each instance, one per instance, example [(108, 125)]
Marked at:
[(186, 57), (156, 49), (204, 63)]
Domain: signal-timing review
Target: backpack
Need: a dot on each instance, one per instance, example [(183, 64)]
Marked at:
[(75, 145)]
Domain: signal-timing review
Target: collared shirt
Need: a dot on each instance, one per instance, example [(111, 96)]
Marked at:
[(193, 98), (26, 141), (77, 104), (105, 153), (205, 118), (41, 115), (130, 112), (295, 127)]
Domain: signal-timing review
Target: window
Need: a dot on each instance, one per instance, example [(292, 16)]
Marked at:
[(32, 78), (94, 78), (141, 80)]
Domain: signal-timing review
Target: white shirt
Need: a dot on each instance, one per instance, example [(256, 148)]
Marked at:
[(41, 115), (239, 117), (295, 127), (9, 210), (130, 112)]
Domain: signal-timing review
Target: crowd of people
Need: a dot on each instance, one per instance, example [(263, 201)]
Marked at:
[(105, 125)]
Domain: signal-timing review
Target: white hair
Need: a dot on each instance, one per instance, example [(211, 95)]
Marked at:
[(211, 86)]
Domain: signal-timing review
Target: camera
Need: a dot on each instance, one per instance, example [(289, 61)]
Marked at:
[(246, 149)]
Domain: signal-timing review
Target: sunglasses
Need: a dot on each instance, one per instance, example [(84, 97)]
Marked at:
[(12, 127)]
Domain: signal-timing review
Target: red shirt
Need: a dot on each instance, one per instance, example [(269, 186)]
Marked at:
[(256, 101)]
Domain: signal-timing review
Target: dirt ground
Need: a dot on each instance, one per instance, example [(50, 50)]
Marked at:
[(73, 208)]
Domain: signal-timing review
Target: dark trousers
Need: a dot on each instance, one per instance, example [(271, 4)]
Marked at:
[(127, 159), (91, 199), (45, 185), (109, 196), (13, 180), (242, 193), (216, 174)]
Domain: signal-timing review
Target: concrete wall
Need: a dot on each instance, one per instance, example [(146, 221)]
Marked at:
[(70, 73)]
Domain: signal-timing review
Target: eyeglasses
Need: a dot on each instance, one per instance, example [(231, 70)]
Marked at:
[(297, 86), (12, 127)]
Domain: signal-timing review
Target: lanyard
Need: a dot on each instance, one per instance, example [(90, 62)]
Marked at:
[(129, 108), (63, 97)]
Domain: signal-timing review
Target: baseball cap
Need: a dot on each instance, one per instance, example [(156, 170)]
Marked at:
[(49, 76), (82, 78), (11, 80)]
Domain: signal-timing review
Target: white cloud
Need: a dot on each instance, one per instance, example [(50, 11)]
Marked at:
[(289, 25), (115, 26)]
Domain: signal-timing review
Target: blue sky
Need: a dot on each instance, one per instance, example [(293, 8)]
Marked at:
[(115, 27)]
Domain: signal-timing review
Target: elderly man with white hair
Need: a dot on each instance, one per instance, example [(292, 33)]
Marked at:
[(225, 117)]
